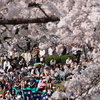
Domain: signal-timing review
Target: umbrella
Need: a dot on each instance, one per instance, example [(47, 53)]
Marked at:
[(37, 64)]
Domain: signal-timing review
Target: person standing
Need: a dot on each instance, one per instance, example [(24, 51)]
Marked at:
[(27, 57), (74, 50), (15, 55), (42, 55), (9, 55), (50, 51), (63, 50), (35, 53)]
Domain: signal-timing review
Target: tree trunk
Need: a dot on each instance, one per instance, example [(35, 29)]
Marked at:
[(85, 52), (28, 45)]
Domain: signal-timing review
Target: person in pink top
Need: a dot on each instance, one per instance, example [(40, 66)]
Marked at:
[(41, 85)]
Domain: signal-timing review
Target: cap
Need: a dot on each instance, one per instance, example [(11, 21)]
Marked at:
[(14, 48)]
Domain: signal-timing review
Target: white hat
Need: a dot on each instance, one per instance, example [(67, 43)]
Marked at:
[(14, 48)]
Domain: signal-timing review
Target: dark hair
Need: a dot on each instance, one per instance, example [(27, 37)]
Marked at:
[(52, 58)]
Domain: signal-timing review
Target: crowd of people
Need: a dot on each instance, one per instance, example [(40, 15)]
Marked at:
[(29, 70)]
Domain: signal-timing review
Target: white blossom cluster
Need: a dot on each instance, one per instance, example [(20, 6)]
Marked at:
[(79, 23), (78, 18), (86, 85)]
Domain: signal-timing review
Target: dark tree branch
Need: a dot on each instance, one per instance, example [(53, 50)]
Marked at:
[(17, 31), (7, 28), (33, 4), (20, 47), (3, 31), (37, 5), (43, 11), (8, 43), (6, 38), (26, 21)]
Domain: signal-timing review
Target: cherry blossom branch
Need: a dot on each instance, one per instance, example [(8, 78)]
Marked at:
[(19, 47), (26, 21), (7, 28), (94, 82), (37, 5)]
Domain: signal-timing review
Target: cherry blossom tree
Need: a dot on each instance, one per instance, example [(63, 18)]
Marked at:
[(46, 22)]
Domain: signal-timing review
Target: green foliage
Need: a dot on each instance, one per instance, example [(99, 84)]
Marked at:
[(59, 59), (63, 58)]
